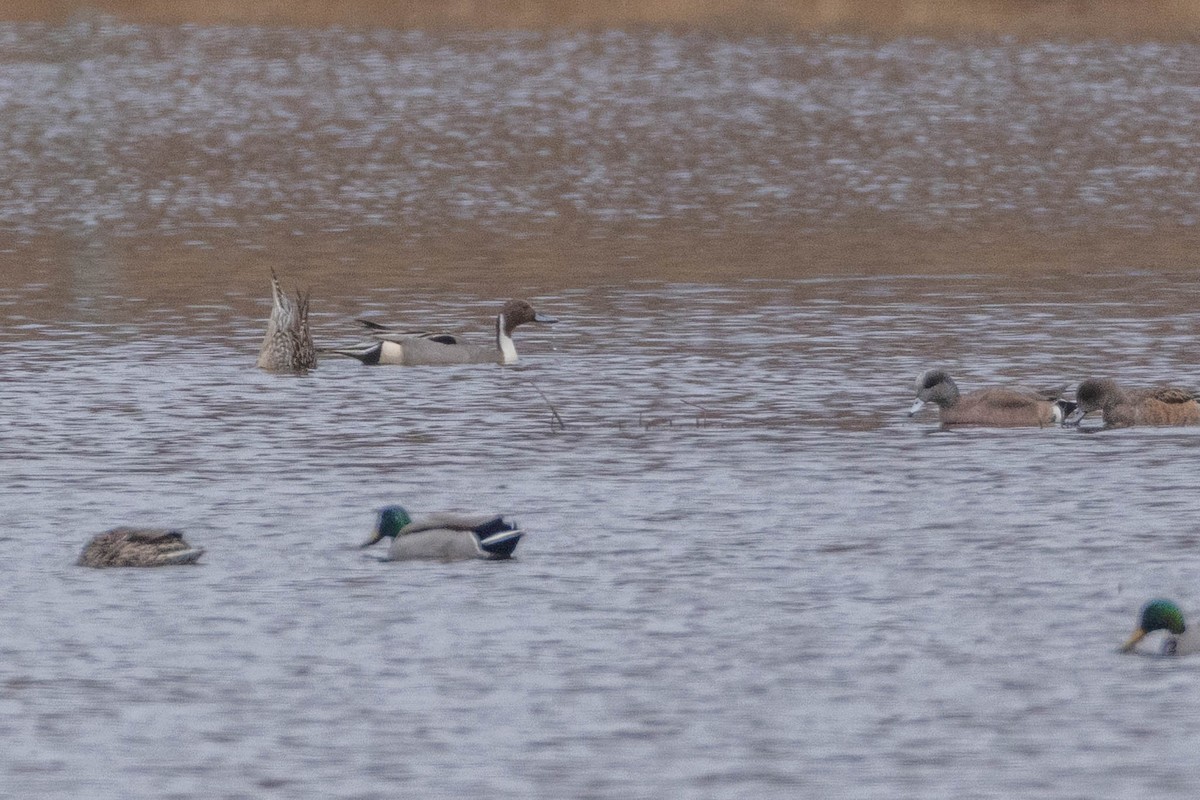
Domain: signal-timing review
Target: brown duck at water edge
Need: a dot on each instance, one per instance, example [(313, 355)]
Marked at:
[(1163, 405), (288, 344), (996, 407), (138, 547)]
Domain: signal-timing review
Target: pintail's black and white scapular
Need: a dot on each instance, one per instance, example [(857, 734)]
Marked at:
[(412, 348)]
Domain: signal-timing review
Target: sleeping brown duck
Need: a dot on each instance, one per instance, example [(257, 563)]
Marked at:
[(138, 547)]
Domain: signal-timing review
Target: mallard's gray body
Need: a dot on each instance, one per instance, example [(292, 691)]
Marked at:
[(445, 537)]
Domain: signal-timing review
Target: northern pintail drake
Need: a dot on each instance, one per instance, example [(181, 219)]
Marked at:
[(138, 547), (997, 406), (408, 348), (444, 537), (288, 343), (1164, 405), (1164, 615)]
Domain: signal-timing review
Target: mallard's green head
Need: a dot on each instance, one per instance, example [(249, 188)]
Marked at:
[(1162, 614), (1156, 615), (391, 520)]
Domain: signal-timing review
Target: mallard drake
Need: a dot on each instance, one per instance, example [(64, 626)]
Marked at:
[(1164, 615), (288, 343), (1164, 405), (138, 547), (445, 537), (997, 406), (392, 346)]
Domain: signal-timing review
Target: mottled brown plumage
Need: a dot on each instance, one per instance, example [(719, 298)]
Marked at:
[(138, 547), (288, 344)]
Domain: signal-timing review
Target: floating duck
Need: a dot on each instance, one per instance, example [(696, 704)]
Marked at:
[(138, 547), (1164, 405), (997, 406), (444, 537), (410, 348), (1164, 615)]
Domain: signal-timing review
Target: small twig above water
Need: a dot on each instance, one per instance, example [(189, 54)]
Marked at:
[(555, 419), (646, 423), (701, 418)]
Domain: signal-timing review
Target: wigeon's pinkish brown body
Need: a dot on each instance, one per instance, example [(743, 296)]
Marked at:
[(997, 407), (1122, 408)]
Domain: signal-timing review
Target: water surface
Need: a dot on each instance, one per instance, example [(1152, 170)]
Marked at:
[(748, 572)]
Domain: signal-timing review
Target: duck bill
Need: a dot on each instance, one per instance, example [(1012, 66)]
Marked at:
[(376, 535), (542, 318), (1137, 636), (1075, 417), (917, 406)]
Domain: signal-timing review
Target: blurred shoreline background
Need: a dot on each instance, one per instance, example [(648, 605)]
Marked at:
[(1159, 19), (749, 139)]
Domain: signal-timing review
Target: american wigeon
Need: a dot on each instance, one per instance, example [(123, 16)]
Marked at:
[(138, 547), (445, 537), (436, 349), (288, 344), (1164, 615), (1164, 405), (997, 407)]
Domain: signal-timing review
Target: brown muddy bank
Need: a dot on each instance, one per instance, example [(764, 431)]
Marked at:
[(190, 270), (1169, 19), (190, 160)]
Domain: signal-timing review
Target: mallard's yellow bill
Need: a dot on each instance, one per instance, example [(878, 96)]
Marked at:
[(375, 537), (1138, 635)]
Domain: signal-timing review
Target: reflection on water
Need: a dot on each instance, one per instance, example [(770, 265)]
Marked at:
[(748, 570)]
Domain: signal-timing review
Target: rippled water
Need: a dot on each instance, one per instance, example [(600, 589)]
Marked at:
[(748, 572)]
